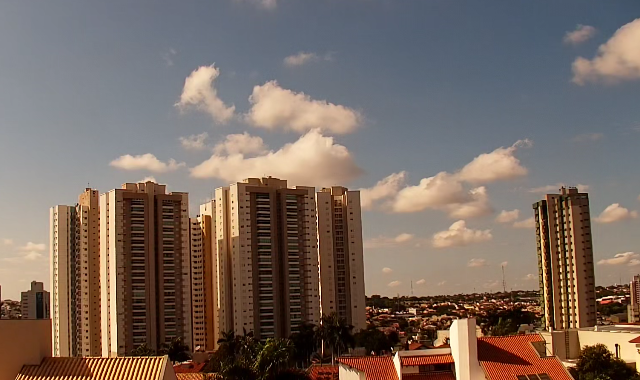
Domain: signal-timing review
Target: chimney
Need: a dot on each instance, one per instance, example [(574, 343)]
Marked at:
[(464, 349)]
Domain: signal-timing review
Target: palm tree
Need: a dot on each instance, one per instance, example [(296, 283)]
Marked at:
[(336, 333), (275, 356), (177, 350), (305, 342)]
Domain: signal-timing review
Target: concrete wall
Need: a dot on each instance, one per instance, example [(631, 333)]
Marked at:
[(464, 349), (23, 342), (628, 351), (348, 373)]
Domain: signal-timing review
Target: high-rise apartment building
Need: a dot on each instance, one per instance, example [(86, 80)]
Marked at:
[(266, 257), (633, 308), (203, 280), (341, 255), (75, 283), (565, 260), (144, 268), (34, 303)]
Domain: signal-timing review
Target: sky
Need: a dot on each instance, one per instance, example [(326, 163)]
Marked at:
[(453, 117)]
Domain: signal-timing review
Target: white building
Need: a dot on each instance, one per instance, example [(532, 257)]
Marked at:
[(34, 303)]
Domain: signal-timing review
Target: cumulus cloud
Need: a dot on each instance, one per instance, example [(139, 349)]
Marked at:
[(450, 192), (587, 137), (530, 277), (313, 160), (199, 93), (422, 281), (145, 162), (501, 164), (459, 235), (581, 34), (504, 263), (148, 179), (475, 263), (195, 142), (28, 252), (385, 242), (526, 223), (618, 59), (441, 283), (556, 188), (302, 58), (38, 247), (508, 216), (386, 188), (167, 56), (393, 284), (7, 241), (626, 258), (387, 270), (241, 144), (274, 107), (615, 213)]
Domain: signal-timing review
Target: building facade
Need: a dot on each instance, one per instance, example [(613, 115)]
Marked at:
[(145, 267), (565, 260), (34, 303), (341, 255), (75, 281), (266, 257), (633, 309)]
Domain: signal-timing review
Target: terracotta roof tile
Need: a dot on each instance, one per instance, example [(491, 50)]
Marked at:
[(139, 368), (324, 372), (430, 376), (504, 358), (192, 376), (188, 367), (635, 340), (426, 359), (374, 367), (415, 346)]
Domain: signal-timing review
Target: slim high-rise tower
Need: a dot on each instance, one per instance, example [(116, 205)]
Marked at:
[(144, 268), (75, 282), (565, 260), (34, 303), (266, 257), (341, 255)]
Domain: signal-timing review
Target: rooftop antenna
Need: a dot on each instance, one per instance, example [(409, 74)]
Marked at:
[(411, 288), (504, 283)]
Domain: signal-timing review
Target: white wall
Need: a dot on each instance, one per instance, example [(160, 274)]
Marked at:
[(348, 373), (464, 349)]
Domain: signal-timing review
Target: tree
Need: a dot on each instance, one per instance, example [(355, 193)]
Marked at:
[(142, 350), (598, 363), (305, 343), (336, 333), (177, 351), (376, 341), (505, 322)]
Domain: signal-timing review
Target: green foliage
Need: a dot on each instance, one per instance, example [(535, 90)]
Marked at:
[(306, 344), (143, 350), (505, 322), (612, 308), (598, 363), (177, 351), (335, 333), (376, 341)]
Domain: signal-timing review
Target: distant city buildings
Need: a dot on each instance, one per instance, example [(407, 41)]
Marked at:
[(565, 260), (633, 309), (341, 255), (34, 303)]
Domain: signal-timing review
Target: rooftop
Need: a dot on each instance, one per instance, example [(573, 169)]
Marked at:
[(324, 372), (138, 368), (374, 367)]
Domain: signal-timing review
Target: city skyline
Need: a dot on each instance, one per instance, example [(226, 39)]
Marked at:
[(462, 124)]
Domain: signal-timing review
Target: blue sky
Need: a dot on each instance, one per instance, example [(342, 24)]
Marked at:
[(411, 88)]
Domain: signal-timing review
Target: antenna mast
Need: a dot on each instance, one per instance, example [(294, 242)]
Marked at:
[(504, 283), (411, 288)]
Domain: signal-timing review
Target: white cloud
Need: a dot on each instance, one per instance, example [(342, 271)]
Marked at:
[(145, 162), (393, 284), (422, 281), (313, 160), (441, 283), (556, 188), (7, 241), (385, 242), (508, 216), (459, 235), (274, 107), (501, 164), (504, 263), (265, 4), (40, 247), (618, 59), (526, 223), (200, 93), (626, 258), (195, 142), (587, 137), (476, 263), (476, 205), (28, 252), (530, 277), (387, 270), (241, 144), (615, 213), (433, 192), (167, 56), (386, 188), (148, 179), (302, 58), (582, 34)]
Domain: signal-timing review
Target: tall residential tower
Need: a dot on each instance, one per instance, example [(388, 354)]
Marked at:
[(341, 255), (565, 260), (34, 303), (144, 268)]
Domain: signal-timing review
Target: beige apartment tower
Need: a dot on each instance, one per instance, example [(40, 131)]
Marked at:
[(34, 303), (341, 255), (75, 283), (266, 257), (144, 268), (565, 260)]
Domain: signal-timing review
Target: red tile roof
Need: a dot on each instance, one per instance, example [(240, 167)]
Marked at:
[(121, 368), (430, 376), (426, 359), (416, 346), (324, 372), (374, 367), (635, 340), (188, 367), (504, 358)]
